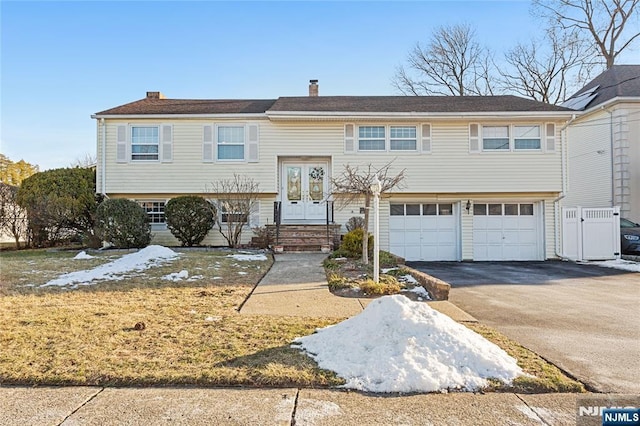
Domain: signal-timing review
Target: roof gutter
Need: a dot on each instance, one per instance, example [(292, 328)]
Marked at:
[(353, 115), (253, 116)]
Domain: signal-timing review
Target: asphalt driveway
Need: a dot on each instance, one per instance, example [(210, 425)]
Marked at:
[(583, 318)]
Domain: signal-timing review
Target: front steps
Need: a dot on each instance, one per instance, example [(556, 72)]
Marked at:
[(296, 238)]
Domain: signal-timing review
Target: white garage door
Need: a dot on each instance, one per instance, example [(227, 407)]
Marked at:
[(506, 231), (425, 231)]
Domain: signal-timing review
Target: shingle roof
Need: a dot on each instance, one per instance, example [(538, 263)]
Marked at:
[(191, 106), (617, 81), (392, 104), (343, 104)]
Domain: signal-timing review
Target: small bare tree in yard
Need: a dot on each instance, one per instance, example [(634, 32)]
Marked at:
[(232, 201), (354, 184), (13, 219)]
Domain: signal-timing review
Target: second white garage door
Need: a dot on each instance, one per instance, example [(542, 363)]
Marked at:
[(507, 231), (426, 231)]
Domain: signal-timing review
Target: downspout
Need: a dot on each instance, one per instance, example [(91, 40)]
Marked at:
[(563, 193), (103, 166)]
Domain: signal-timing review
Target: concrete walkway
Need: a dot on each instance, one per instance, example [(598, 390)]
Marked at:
[(159, 406), (296, 285)]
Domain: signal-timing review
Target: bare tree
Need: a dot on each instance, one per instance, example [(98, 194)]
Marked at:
[(545, 70), (608, 23), (13, 219), (354, 183), (452, 63), (232, 201), (85, 162)]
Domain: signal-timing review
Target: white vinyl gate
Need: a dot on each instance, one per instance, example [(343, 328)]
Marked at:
[(591, 233)]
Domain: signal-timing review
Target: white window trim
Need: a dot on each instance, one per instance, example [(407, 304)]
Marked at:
[(244, 143), (130, 143), (512, 138), (387, 138), (157, 225)]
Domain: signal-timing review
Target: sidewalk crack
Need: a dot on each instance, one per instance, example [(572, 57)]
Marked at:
[(295, 407), (543, 421), (81, 405)]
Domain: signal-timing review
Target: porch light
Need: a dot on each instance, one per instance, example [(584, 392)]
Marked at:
[(468, 206), (376, 188)]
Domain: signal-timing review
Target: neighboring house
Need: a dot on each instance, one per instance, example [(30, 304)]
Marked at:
[(483, 174), (604, 143)]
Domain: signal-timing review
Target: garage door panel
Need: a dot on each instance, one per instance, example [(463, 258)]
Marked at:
[(494, 236), (428, 236), (507, 237)]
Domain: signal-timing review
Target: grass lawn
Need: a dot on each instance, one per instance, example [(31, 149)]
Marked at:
[(192, 333)]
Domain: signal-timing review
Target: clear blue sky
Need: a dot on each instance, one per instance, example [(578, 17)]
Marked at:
[(63, 61)]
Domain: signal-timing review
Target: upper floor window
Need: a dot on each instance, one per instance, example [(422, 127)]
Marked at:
[(511, 138), (230, 142), (403, 138), (495, 138), (145, 143), (526, 137), (381, 138), (371, 138)]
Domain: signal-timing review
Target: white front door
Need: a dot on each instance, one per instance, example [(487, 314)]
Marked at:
[(304, 191)]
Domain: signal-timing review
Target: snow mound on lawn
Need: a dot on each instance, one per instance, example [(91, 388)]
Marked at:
[(139, 261), (248, 257), (83, 256), (397, 345)]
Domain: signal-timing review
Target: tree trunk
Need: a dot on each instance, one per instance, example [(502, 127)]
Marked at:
[(365, 233)]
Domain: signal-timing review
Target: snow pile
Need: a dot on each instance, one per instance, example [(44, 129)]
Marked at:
[(419, 291), (625, 265), (177, 276), (397, 345), (83, 256), (247, 257), (139, 261)]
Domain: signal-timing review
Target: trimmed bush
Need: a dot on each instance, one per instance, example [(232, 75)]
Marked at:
[(123, 223), (352, 243), (189, 218)]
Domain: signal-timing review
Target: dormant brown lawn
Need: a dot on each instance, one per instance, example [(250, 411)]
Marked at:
[(144, 330), (192, 332)]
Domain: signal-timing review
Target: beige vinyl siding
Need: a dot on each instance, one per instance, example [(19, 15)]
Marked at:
[(448, 168), (187, 173)]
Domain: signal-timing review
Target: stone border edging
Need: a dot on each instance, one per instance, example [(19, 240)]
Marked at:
[(437, 288)]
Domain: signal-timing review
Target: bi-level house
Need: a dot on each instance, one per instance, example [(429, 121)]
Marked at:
[(483, 174)]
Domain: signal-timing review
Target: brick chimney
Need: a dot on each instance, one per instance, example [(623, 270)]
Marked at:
[(155, 95), (313, 87)]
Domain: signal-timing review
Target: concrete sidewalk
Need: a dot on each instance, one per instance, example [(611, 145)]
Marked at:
[(296, 285), (158, 406)]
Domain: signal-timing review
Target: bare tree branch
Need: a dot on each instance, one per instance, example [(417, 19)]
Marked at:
[(601, 21), (232, 201), (547, 74), (354, 184), (452, 64)]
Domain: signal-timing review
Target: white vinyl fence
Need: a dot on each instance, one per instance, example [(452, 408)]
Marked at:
[(591, 233)]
